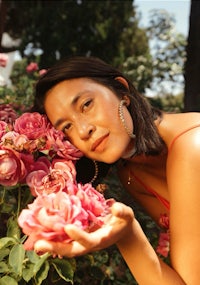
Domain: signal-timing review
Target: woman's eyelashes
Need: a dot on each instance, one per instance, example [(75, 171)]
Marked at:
[(66, 127), (83, 108), (86, 105)]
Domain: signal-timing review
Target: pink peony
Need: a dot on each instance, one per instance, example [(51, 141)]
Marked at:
[(33, 66), (12, 169), (47, 216), (3, 59), (33, 125)]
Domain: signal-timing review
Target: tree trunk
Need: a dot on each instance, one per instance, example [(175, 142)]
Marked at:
[(192, 67), (2, 20)]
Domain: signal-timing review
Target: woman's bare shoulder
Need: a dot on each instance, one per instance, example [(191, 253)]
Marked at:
[(174, 126)]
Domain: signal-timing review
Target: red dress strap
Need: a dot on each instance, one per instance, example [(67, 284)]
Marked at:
[(163, 201), (179, 135)]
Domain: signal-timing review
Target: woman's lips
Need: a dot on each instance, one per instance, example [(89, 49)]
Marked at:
[(100, 143)]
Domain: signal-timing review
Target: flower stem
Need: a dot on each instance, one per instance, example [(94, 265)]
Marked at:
[(3, 195), (19, 200)]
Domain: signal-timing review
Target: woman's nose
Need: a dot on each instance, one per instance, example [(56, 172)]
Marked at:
[(85, 130)]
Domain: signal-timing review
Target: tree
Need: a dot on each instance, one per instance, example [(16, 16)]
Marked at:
[(72, 27), (192, 67), (2, 18), (168, 51)]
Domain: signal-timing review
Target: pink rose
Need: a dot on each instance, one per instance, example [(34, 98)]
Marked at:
[(33, 66), (63, 148), (47, 216), (7, 113), (33, 125), (163, 244), (29, 162), (3, 59), (3, 128), (93, 201), (42, 163), (55, 180), (12, 169), (42, 71), (164, 221), (35, 177), (14, 140)]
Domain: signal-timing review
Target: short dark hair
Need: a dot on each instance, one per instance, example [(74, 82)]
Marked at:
[(148, 140)]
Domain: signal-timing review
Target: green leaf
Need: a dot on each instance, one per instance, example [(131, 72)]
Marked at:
[(3, 267), (97, 273), (32, 256), (13, 229), (7, 241), (7, 280), (42, 273), (64, 269), (40, 262), (3, 253), (27, 272), (16, 258)]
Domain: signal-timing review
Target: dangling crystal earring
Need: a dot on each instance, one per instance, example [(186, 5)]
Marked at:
[(121, 115), (96, 172)]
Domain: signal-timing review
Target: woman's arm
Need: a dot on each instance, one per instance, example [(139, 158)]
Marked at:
[(183, 171), (142, 260)]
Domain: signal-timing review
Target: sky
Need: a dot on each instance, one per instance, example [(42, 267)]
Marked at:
[(180, 9)]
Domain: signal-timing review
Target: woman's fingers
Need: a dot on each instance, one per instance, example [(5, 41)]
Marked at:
[(122, 211), (59, 248)]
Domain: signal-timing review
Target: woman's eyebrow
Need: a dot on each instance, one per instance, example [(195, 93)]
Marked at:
[(58, 122), (78, 96)]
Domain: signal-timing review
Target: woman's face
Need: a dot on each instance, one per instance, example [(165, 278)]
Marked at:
[(87, 112)]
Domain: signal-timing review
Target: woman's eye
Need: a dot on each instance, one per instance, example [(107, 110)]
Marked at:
[(86, 105), (66, 127)]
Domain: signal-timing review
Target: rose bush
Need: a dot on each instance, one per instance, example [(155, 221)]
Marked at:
[(38, 162), (22, 159)]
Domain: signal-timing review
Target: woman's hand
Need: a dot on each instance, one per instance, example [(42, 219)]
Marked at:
[(116, 226)]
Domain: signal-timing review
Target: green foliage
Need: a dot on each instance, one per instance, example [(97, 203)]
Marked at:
[(107, 29), (168, 102), (139, 70), (21, 91)]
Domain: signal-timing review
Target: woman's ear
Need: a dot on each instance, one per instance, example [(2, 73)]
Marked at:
[(123, 81)]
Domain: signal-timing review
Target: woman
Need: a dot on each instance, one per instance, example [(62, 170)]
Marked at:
[(158, 158)]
